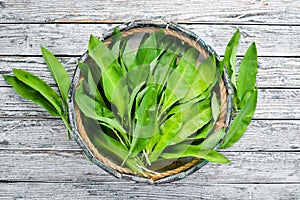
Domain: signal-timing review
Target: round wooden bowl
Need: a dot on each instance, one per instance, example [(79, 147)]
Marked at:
[(182, 167)]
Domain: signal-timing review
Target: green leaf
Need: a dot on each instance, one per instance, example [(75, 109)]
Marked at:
[(216, 157), (205, 78), (186, 150), (241, 121), (188, 104), (230, 56), (115, 41), (215, 106), (89, 106), (180, 80), (113, 79), (168, 131), (213, 139), (59, 74), (92, 86), (101, 54), (204, 131), (121, 97), (84, 69), (31, 94), (108, 146), (194, 118), (164, 67), (92, 109), (147, 51), (42, 87), (146, 123), (127, 56), (137, 75), (247, 72), (133, 96), (111, 71)]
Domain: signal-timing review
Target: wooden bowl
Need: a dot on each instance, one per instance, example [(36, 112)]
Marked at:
[(175, 170)]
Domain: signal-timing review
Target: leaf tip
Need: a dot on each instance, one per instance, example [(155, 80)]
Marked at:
[(93, 42), (116, 31), (7, 77), (44, 50), (16, 71)]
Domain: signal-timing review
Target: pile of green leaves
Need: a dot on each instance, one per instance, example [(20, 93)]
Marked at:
[(152, 105)]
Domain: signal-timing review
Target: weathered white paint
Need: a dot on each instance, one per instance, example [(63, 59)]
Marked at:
[(37, 160)]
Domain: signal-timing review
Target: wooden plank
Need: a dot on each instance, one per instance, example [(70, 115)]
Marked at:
[(72, 39), (118, 190), (53, 166), (273, 11), (273, 71), (34, 134), (36, 66), (262, 135), (272, 104)]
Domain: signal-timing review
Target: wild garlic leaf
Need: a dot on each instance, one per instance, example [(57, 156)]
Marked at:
[(115, 40), (159, 35), (204, 131), (241, 121), (110, 70), (92, 89), (113, 79), (89, 106), (137, 75), (230, 56), (145, 55), (247, 72), (205, 77), (96, 111), (215, 106), (188, 104), (215, 157), (90, 65), (147, 51), (162, 70), (84, 69), (213, 139), (127, 60), (42, 87), (120, 98), (31, 94), (146, 123), (132, 99), (116, 49), (181, 78), (108, 146), (168, 131), (186, 150), (59, 74), (127, 55), (194, 118)]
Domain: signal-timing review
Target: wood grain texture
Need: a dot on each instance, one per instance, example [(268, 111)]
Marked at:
[(72, 39), (38, 162), (272, 104), (120, 191), (38, 134), (273, 71), (241, 11), (54, 166)]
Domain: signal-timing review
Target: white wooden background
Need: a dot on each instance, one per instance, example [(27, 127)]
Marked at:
[(36, 159)]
